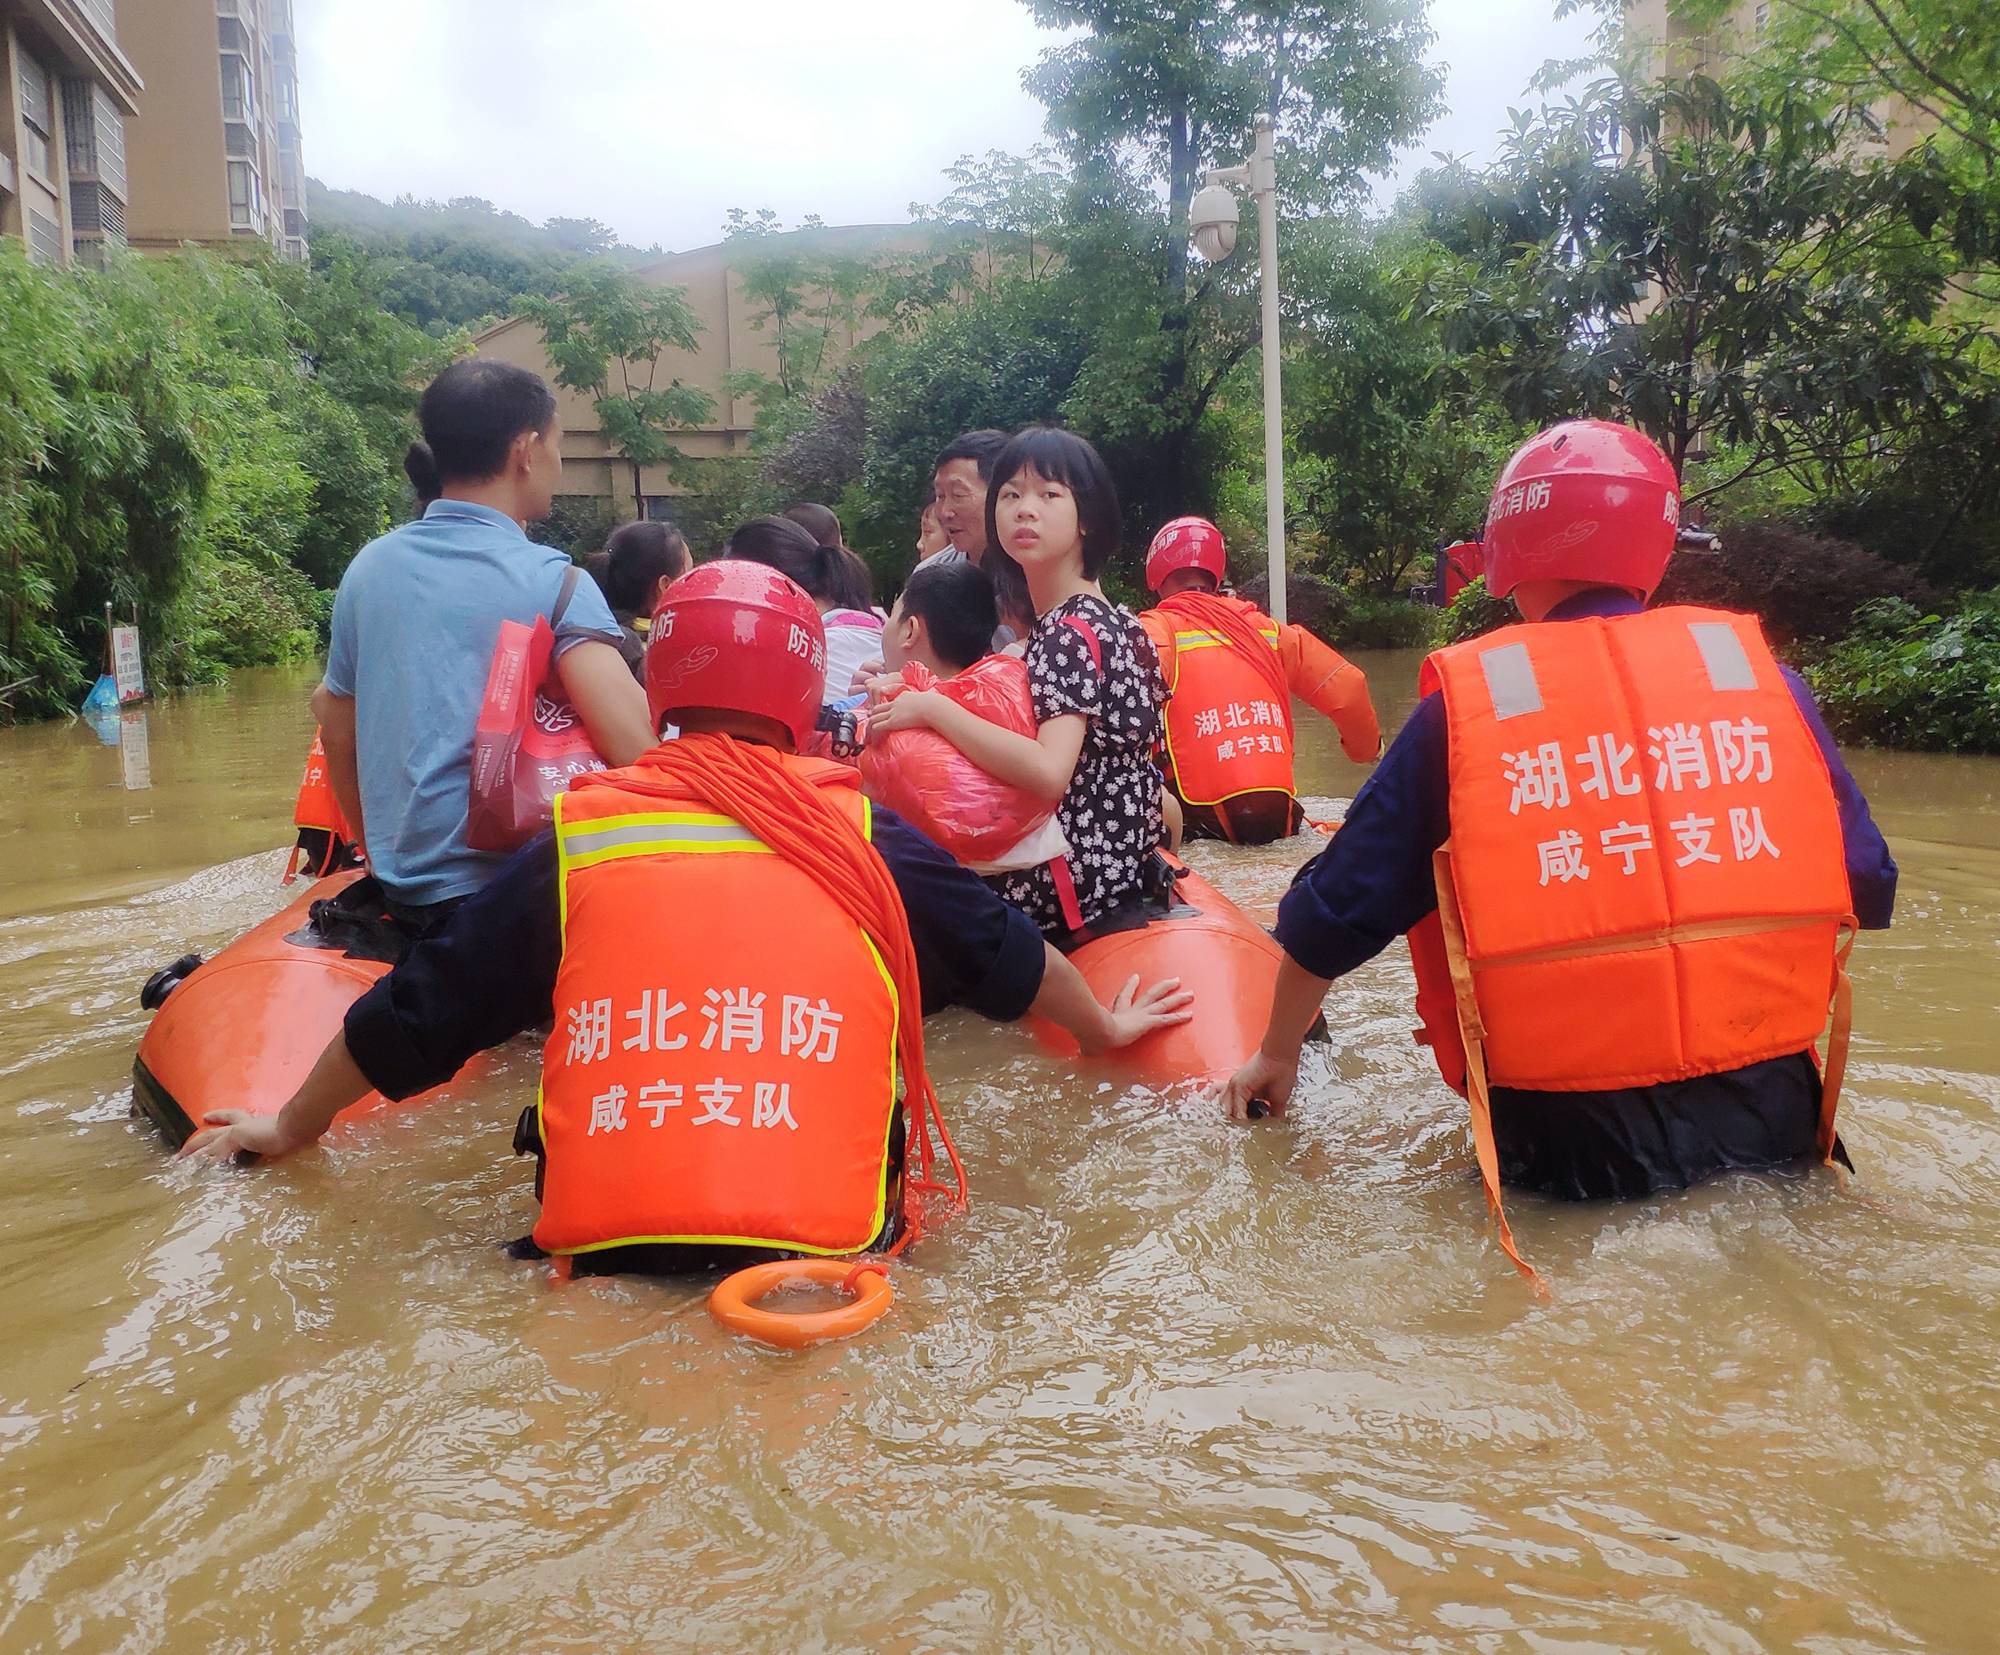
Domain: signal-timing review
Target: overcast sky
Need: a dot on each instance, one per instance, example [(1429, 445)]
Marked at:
[(657, 116)]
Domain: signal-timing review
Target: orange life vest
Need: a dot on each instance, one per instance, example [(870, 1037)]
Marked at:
[(723, 1066), (1229, 712), (316, 807), (317, 810), (1645, 880)]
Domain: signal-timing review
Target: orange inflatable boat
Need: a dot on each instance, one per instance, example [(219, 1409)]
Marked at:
[(242, 1030), (1204, 939)]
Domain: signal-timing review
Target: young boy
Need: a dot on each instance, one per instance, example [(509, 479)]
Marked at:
[(944, 618), (1233, 672), (736, 951)]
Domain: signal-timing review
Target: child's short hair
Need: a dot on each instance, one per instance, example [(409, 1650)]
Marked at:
[(636, 557), (954, 599)]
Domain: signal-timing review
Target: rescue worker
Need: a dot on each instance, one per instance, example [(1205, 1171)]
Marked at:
[(1625, 851), (737, 953), (1232, 672)]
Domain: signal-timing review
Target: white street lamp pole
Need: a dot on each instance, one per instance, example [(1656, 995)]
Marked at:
[(1212, 217), (1264, 187)]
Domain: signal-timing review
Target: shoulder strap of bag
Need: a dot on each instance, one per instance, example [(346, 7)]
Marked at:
[(562, 598), (1091, 641)]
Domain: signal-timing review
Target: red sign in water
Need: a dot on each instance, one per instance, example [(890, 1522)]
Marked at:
[(125, 668)]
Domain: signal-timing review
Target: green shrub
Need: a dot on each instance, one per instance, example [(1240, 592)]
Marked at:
[(1906, 678), (1806, 588), (1475, 612)]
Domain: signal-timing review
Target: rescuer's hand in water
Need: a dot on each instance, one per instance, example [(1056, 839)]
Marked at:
[(1273, 1070), (335, 1082), (228, 1132), (1264, 1079)]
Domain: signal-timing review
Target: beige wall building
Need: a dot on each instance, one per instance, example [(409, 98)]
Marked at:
[(67, 88), (214, 153), (1679, 50), (730, 342)]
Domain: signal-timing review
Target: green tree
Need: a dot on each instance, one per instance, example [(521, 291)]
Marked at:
[(1178, 81), (1150, 95), (606, 333), (1389, 450), (1939, 57), (810, 301), (1721, 265)]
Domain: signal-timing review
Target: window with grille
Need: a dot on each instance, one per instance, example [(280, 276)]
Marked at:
[(45, 245), (93, 134), (37, 118), (1763, 17)]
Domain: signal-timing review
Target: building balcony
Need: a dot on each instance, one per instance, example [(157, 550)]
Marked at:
[(80, 38)]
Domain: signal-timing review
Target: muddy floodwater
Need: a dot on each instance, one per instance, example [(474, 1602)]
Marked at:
[(1169, 1384)]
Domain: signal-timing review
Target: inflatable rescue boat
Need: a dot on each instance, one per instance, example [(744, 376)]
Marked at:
[(242, 1030), (1198, 935)]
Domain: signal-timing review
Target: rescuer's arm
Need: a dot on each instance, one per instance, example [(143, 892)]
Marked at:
[(1871, 870), (1335, 687), (343, 770), (1068, 1001), (974, 950), (334, 1083), (489, 974), (609, 699), (1371, 884)]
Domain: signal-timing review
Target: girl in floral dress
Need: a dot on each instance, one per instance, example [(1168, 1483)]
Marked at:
[(1051, 525)]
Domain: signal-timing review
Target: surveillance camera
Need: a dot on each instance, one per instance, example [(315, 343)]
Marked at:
[(1212, 215)]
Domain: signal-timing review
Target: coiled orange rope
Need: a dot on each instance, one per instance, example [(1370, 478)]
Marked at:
[(798, 819)]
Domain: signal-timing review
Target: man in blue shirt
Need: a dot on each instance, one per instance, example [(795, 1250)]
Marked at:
[(1376, 880), (414, 627), (492, 970)]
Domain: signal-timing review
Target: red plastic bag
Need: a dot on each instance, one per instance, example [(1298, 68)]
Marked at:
[(529, 741), (930, 783)]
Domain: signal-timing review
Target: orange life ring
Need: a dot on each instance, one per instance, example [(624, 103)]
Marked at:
[(734, 1301)]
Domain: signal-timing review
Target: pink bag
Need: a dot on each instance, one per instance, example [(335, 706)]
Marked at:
[(529, 740), (935, 787)]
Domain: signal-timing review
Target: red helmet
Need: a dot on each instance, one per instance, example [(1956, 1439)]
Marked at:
[(1185, 543), (1586, 500), (738, 636)]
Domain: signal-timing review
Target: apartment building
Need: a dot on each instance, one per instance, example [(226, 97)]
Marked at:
[(214, 154), (1677, 49), (735, 337), (67, 90)]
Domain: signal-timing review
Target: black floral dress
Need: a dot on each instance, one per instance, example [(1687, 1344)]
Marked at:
[(1111, 812)]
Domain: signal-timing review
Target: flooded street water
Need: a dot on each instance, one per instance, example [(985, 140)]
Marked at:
[(1169, 1384)]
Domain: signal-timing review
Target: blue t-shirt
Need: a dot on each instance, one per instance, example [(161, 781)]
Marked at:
[(414, 625)]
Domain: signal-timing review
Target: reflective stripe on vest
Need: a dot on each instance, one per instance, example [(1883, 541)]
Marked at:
[(722, 1070), (1645, 880), (1226, 733)]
